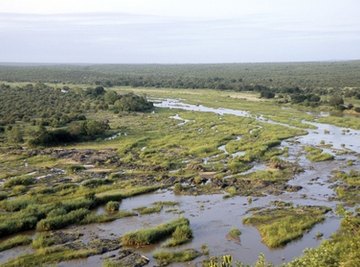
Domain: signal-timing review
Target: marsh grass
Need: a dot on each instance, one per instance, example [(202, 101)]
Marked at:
[(181, 235), (112, 206), (102, 218), (317, 154), (20, 240), (279, 226), (342, 249), (348, 188), (166, 257), (152, 235), (48, 256), (61, 221), (234, 234), (149, 210), (119, 194)]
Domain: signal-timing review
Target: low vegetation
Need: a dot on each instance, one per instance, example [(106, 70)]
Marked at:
[(279, 226), (164, 258), (49, 256), (342, 249), (234, 234), (20, 240), (112, 206), (348, 187), (317, 154), (152, 235), (181, 235)]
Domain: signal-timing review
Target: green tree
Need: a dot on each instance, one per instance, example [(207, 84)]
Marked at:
[(336, 101), (110, 97)]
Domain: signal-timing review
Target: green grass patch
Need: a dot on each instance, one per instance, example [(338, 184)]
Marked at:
[(342, 249), (48, 256), (152, 235), (181, 235), (61, 221), (317, 154), (234, 234), (164, 258), (112, 206), (20, 240), (279, 226), (149, 210), (102, 218)]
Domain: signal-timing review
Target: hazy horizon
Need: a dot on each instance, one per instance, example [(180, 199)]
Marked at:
[(178, 32)]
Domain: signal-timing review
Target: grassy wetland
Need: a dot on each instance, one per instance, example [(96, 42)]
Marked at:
[(136, 176)]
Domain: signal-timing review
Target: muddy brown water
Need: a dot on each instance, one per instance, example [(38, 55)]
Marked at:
[(211, 217)]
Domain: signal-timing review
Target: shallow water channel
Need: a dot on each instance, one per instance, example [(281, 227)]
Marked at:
[(211, 217)]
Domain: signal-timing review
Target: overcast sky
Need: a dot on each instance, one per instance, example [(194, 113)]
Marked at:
[(178, 31)]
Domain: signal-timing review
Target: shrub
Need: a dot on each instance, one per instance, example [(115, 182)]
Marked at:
[(132, 102)]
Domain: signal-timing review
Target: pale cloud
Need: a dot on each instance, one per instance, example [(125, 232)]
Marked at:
[(143, 31)]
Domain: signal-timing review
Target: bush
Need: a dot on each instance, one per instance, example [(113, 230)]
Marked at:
[(336, 101), (132, 102)]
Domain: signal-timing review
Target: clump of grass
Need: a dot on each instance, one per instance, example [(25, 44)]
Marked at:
[(20, 180), (234, 234), (20, 240), (61, 221), (3, 195), (48, 256), (152, 235), (279, 226), (166, 257), (231, 190), (16, 204), (102, 218), (119, 194), (178, 188), (75, 168), (149, 210), (166, 203), (205, 249), (316, 154), (47, 239), (181, 235), (112, 206)]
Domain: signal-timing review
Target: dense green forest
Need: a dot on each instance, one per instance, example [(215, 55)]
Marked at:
[(289, 82), (220, 76), (55, 116)]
